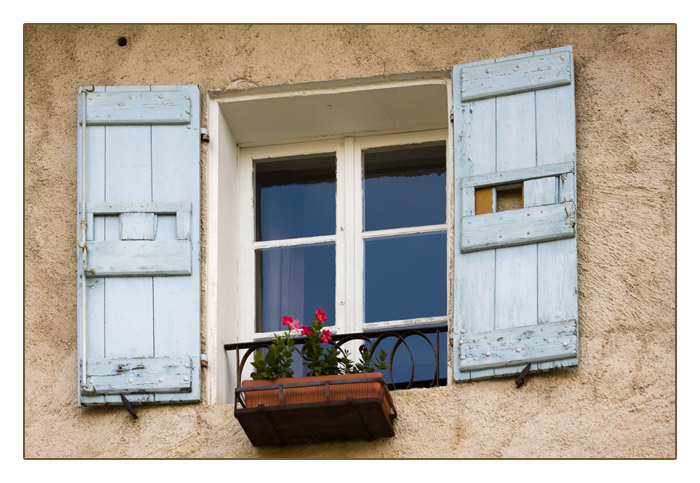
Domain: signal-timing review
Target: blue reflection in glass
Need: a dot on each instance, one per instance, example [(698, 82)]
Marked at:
[(406, 277), (424, 354), (295, 197), (294, 281), (404, 187)]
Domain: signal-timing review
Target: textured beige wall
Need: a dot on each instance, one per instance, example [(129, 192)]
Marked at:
[(619, 402)]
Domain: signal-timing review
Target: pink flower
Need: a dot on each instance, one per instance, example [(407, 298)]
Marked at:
[(321, 315), (293, 324), (326, 336), (306, 330)]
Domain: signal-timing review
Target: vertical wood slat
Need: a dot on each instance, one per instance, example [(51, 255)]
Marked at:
[(128, 301), (95, 297), (175, 326), (474, 275), (516, 267), (557, 265)]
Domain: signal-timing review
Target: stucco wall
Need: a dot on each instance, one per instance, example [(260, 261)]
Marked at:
[(619, 401)]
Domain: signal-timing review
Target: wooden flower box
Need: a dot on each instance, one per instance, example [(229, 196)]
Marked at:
[(314, 409)]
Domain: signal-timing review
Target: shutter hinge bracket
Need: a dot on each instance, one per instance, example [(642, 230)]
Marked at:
[(204, 135), (204, 362)]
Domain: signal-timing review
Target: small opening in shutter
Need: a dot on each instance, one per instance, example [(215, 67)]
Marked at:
[(509, 197)]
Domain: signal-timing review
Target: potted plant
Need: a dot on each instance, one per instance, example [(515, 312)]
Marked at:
[(338, 398)]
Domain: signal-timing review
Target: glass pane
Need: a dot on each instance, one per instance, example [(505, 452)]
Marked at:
[(294, 281), (295, 197), (404, 186), (406, 277), (424, 354)]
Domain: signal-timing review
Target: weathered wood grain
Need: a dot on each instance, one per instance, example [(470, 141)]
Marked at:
[(139, 258), (517, 346), (176, 310), (523, 74), (522, 174), (139, 375), (516, 227), (133, 106)]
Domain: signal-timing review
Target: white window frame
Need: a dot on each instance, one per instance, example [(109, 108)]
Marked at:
[(227, 286), (348, 237)]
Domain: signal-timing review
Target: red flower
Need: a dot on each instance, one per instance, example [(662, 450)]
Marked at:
[(321, 315), (326, 336), (306, 330), (286, 320)]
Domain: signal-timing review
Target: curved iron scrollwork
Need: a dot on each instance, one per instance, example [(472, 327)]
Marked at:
[(372, 340)]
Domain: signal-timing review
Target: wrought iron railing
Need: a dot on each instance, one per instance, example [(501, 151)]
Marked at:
[(432, 355)]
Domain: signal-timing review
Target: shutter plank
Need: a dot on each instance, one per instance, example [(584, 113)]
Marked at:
[(521, 73), (139, 258), (128, 301), (139, 375), (510, 176), (130, 106), (518, 346), (516, 227), (516, 267), (557, 265), (175, 164), (95, 138), (475, 154)]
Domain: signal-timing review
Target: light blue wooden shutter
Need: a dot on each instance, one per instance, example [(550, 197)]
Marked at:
[(143, 273), (515, 271)]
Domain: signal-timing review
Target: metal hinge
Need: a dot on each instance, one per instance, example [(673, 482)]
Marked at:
[(204, 135)]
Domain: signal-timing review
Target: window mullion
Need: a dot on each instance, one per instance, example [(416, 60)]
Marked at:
[(358, 252), (346, 230)]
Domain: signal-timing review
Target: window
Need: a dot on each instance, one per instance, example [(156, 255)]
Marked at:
[(356, 226), (510, 208)]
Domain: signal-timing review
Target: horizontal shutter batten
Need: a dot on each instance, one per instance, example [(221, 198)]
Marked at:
[(515, 175), (139, 258), (515, 76), (134, 108), (518, 345), (516, 227), (139, 375)]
